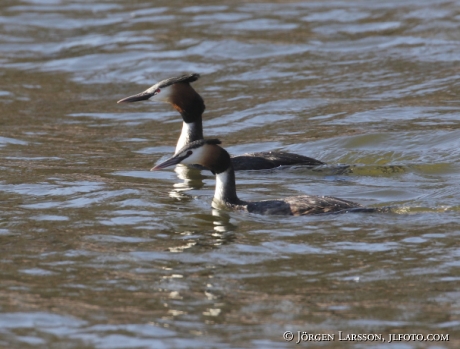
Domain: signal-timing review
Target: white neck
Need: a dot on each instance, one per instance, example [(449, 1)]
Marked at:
[(225, 188), (187, 135), (221, 186)]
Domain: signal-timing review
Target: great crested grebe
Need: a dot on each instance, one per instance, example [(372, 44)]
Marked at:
[(180, 94), (207, 153)]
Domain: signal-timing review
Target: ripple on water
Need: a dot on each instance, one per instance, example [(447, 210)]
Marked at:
[(40, 319), (338, 15), (47, 189), (7, 140), (48, 217), (102, 336)]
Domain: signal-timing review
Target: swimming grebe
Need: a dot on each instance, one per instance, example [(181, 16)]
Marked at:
[(180, 94), (209, 154)]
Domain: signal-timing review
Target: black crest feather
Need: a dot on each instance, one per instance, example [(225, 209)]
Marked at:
[(183, 78), (199, 143)]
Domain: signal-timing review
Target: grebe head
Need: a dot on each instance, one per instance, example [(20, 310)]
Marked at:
[(177, 92), (162, 91), (204, 152)]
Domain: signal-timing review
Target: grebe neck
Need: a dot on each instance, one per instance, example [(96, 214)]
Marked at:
[(191, 131), (225, 192)]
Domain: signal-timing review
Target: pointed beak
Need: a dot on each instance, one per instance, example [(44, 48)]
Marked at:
[(167, 163), (136, 98)]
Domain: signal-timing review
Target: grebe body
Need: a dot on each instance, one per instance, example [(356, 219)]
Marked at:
[(210, 155)]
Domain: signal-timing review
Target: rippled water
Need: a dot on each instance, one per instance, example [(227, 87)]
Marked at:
[(98, 252)]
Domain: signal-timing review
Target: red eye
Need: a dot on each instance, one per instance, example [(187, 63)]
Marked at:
[(157, 91), (189, 153)]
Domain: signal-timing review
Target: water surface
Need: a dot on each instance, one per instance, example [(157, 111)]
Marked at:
[(98, 252)]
